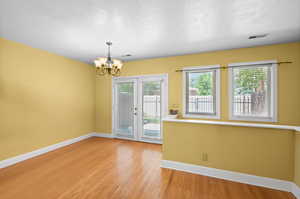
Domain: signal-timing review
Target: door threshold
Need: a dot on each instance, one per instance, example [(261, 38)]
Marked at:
[(142, 140)]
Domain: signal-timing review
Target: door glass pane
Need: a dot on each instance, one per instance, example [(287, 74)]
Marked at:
[(151, 109), (125, 109)]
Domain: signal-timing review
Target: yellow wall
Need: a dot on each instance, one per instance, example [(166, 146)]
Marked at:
[(288, 79), (103, 104), (256, 151), (263, 152), (44, 99), (297, 159)]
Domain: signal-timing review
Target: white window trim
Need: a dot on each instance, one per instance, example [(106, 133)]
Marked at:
[(273, 92), (218, 91)]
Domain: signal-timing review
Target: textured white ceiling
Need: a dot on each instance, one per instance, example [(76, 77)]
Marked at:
[(147, 28)]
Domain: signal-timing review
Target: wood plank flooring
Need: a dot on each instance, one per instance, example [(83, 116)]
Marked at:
[(100, 168)]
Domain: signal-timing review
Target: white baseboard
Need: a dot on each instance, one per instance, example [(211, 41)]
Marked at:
[(229, 175), (296, 191), (103, 135), (25, 156)]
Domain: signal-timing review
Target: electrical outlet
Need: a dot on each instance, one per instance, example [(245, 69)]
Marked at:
[(204, 157)]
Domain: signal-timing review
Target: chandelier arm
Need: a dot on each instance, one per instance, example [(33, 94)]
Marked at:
[(116, 72), (105, 71), (100, 71)]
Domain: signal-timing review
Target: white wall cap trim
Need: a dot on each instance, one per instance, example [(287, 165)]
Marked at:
[(258, 125)]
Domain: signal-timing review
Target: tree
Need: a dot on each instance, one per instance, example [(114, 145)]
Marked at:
[(249, 80), (125, 88), (151, 88), (204, 84)]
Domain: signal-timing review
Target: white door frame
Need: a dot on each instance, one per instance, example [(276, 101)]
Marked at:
[(138, 127)]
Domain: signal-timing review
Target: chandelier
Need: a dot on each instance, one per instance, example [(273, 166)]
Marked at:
[(107, 65)]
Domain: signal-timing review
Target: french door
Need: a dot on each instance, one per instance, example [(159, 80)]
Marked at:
[(139, 104)]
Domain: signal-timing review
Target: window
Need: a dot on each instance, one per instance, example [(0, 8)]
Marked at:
[(252, 91), (201, 92)]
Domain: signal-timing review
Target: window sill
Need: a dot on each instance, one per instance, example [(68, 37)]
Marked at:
[(252, 119), (201, 116), (272, 126)]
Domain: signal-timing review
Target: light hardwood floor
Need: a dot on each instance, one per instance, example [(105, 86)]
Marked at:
[(100, 168)]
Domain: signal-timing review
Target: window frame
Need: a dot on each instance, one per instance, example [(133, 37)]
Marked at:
[(217, 82), (273, 95)]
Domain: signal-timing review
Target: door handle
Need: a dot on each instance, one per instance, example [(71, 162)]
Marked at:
[(135, 113)]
